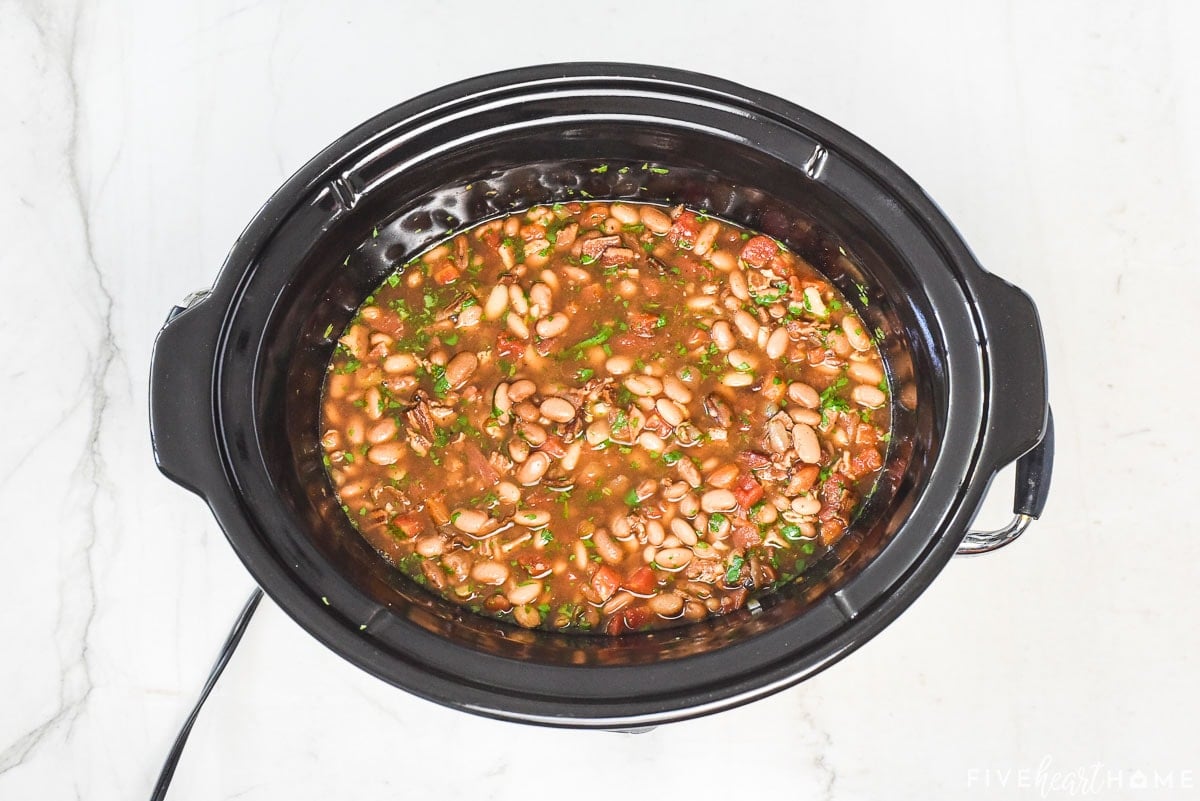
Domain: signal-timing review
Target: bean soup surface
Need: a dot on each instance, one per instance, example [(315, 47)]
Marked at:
[(604, 417)]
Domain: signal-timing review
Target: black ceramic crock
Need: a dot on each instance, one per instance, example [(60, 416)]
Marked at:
[(237, 374)]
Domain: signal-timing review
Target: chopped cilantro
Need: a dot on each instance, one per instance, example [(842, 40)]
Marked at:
[(735, 569), (791, 532), (441, 385)]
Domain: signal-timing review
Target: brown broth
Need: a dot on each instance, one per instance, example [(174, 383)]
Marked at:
[(604, 417)]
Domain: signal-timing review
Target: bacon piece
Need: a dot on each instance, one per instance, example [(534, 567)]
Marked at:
[(594, 248), (612, 256), (509, 347), (605, 582), (744, 534)]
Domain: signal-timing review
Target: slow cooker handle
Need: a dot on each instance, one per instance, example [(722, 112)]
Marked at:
[(181, 410), (1034, 470)]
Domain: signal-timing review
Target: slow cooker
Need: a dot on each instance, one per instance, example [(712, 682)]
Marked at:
[(237, 373)]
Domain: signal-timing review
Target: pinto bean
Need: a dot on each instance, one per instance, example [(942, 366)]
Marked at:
[(559, 410), (684, 531), (673, 558), (552, 326), (869, 396), (864, 373), (382, 432), (644, 386), (670, 411), (472, 521), (461, 368), (718, 500), (521, 389), (619, 365), (676, 390), (722, 336), (856, 333), (532, 518), (814, 302), (806, 505), (706, 237), (737, 285), (527, 616), (493, 573), (386, 453), (746, 325), (533, 469), (655, 220), (688, 472), (737, 379), (777, 343), (496, 303), (430, 545), (804, 440), (668, 605), (525, 593), (605, 546), (803, 394), (399, 363), (741, 360)]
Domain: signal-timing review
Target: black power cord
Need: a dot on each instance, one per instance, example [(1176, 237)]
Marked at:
[(231, 643)]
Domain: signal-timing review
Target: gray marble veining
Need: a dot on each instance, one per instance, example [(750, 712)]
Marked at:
[(139, 137)]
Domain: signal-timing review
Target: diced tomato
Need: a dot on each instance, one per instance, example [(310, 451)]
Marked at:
[(643, 325), (747, 490), (591, 294), (446, 274), (684, 230), (744, 533), (605, 582), (625, 340), (642, 581), (409, 523), (491, 238), (692, 270), (635, 617), (509, 347), (759, 250)]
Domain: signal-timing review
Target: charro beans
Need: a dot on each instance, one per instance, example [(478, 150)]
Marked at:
[(604, 415)]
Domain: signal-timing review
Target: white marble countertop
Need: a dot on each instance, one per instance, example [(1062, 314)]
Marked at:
[(140, 137)]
